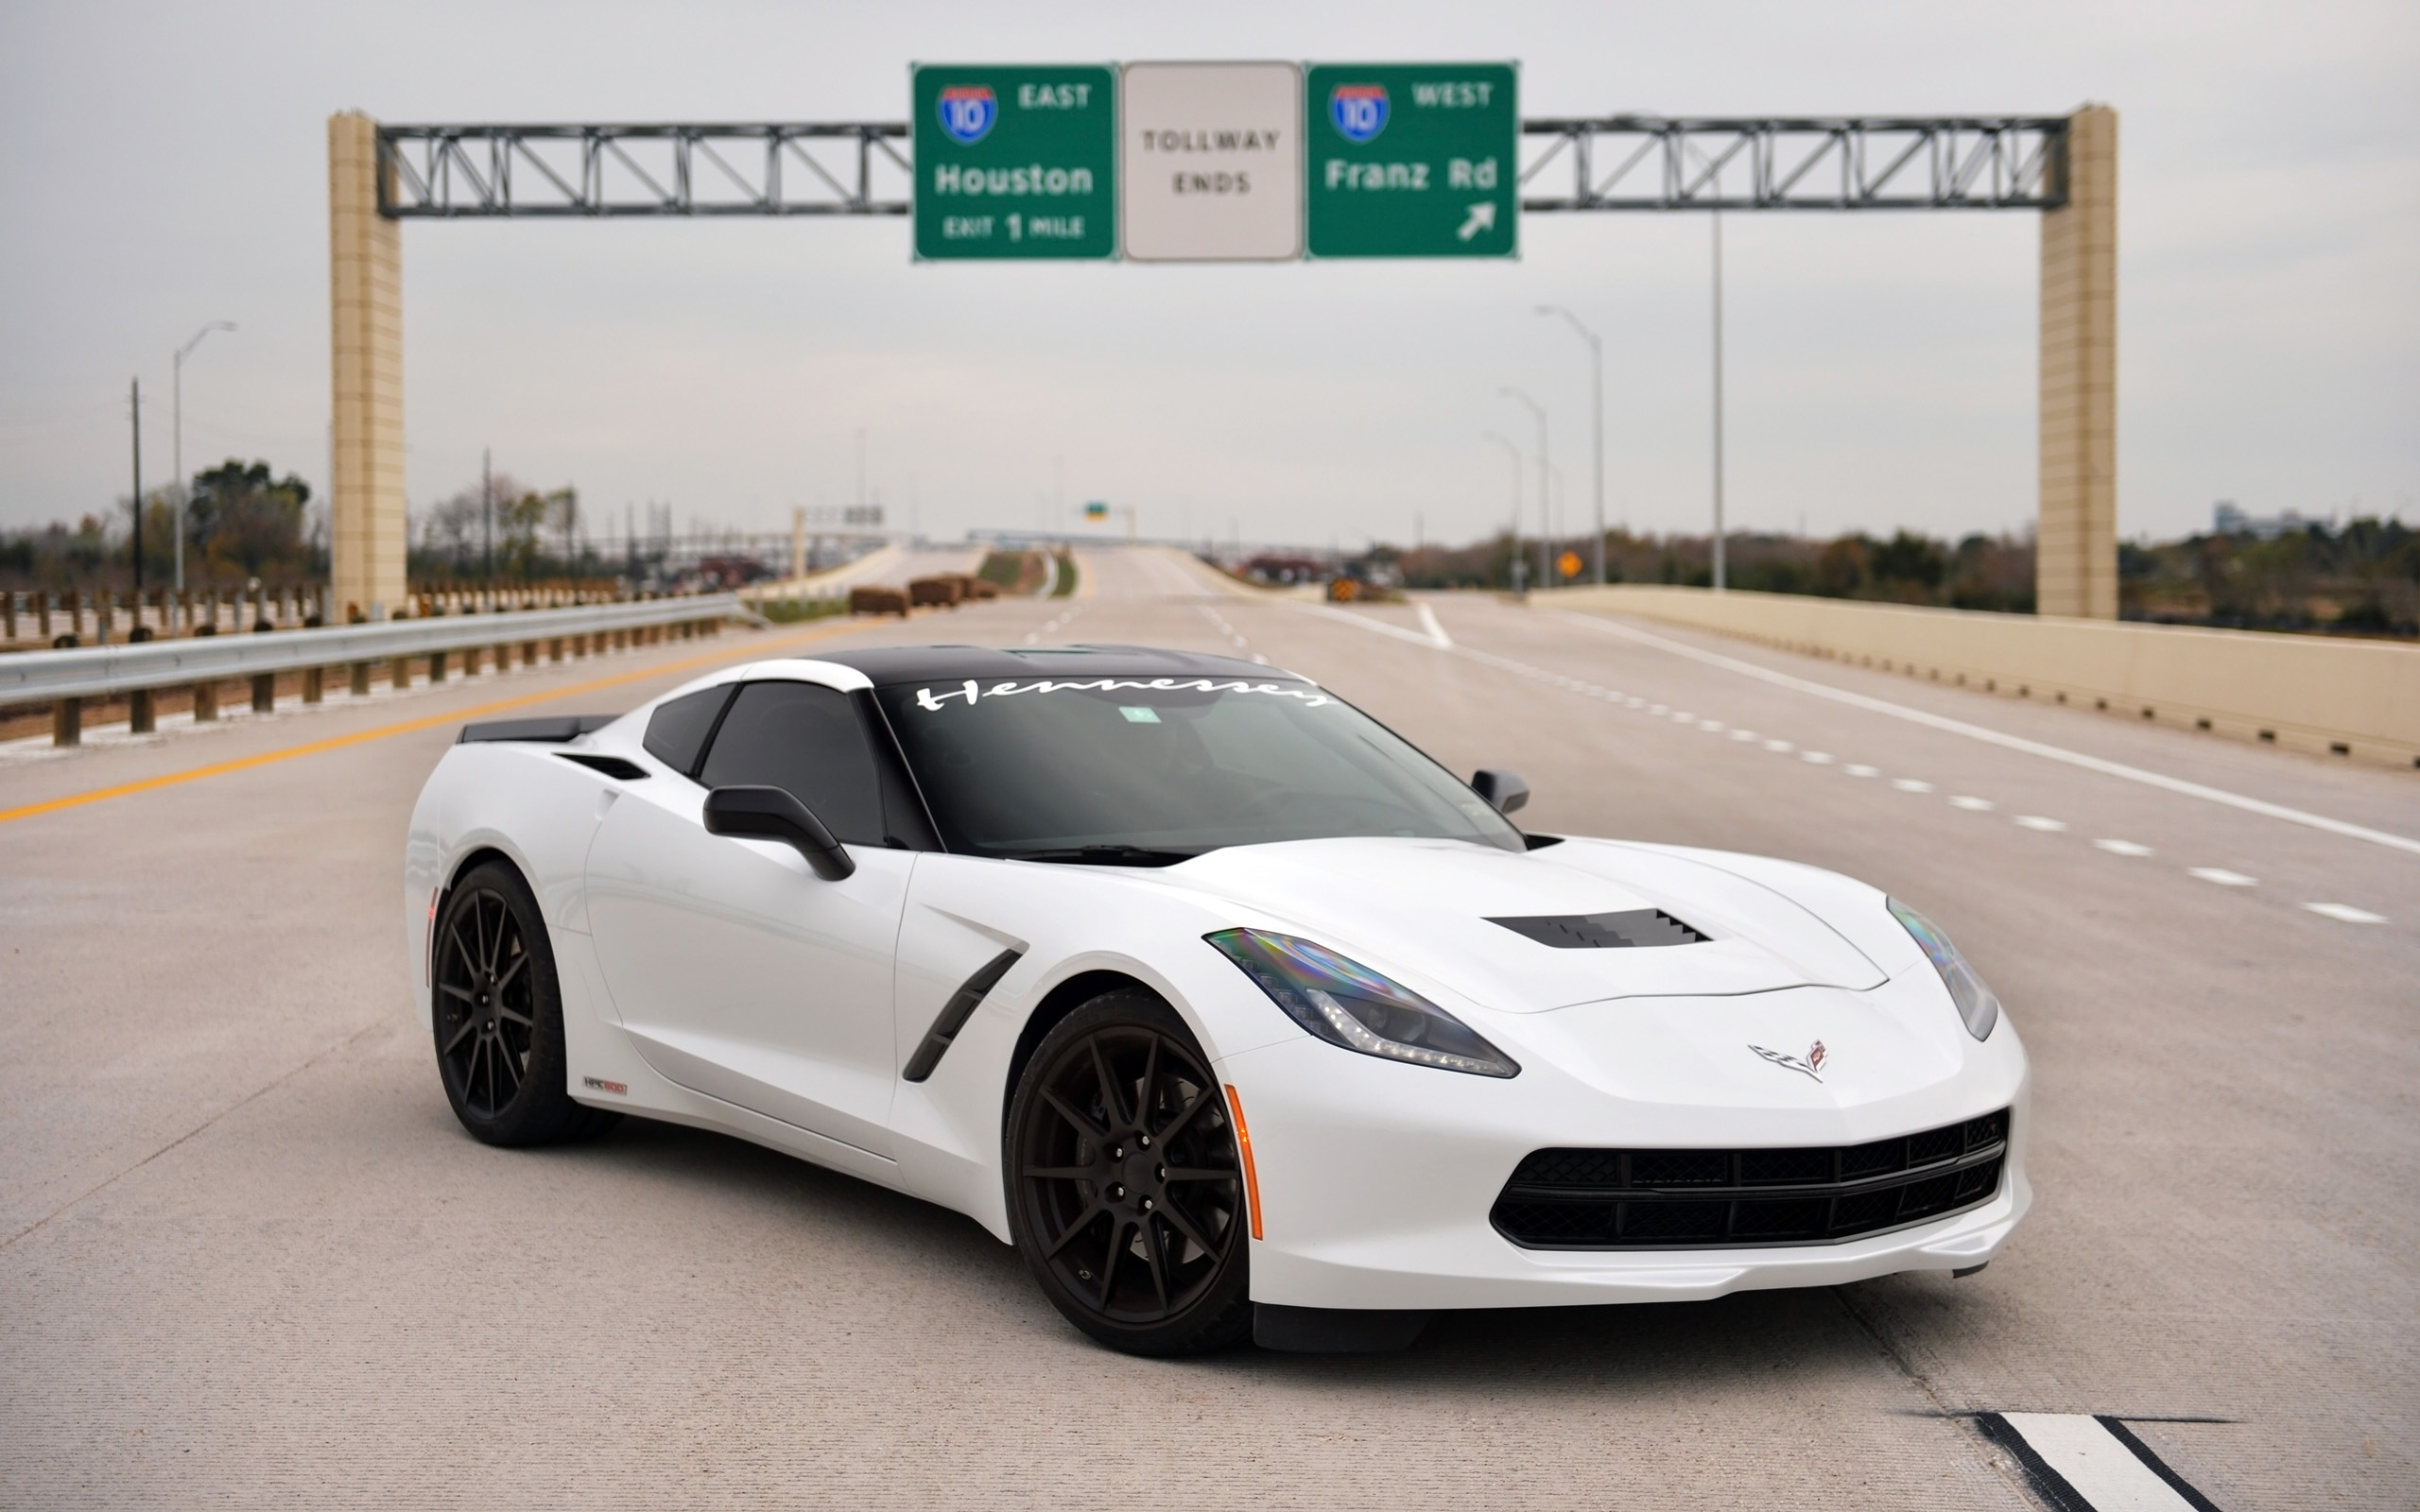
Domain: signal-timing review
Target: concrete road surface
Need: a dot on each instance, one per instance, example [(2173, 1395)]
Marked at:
[(247, 1256)]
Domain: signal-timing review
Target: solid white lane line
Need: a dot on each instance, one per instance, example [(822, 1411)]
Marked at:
[(2223, 876), (2088, 1466), (2032, 748), (2123, 848), (2036, 821), (2347, 913)]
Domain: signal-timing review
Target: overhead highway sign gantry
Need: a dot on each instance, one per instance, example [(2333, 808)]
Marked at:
[(2066, 167)]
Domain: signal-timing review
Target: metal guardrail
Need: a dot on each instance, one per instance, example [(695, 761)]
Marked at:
[(101, 671)]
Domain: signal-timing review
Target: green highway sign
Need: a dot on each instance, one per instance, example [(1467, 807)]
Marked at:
[(1016, 161), (1412, 160)]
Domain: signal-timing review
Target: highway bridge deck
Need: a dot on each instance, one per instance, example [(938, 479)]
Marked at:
[(247, 1256)]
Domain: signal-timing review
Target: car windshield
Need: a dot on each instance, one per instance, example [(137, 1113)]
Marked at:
[(1147, 771)]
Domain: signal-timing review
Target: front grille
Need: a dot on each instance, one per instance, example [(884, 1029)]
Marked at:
[(1698, 1199)]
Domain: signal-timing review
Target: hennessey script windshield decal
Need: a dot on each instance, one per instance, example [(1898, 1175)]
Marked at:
[(931, 700)]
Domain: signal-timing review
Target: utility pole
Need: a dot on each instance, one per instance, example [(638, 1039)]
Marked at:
[(1718, 575), (137, 390), (487, 510), (1546, 574), (1515, 453), (176, 438), (861, 475), (1596, 409)]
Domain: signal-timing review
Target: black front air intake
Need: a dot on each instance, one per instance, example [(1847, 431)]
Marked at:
[(1729, 1199)]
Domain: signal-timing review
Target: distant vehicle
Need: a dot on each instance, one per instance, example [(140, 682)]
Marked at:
[(1237, 1015)]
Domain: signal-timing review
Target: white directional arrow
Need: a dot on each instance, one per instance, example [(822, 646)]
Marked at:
[(1482, 218)]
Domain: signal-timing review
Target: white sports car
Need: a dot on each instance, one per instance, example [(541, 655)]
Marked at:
[(1234, 1013)]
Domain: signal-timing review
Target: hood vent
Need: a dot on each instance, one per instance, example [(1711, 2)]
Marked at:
[(1599, 932)]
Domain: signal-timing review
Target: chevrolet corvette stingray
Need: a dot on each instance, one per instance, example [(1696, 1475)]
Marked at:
[(1236, 1014)]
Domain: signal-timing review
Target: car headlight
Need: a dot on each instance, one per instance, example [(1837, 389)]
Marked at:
[(1976, 1003), (1346, 1003)]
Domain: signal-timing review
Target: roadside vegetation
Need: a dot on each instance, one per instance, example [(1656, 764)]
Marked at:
[(2360, 578)]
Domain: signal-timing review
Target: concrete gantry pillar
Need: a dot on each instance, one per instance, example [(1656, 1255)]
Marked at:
[(2075, 565), (366, 306)]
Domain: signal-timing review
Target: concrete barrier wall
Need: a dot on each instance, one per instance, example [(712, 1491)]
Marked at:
[(2350, 698)]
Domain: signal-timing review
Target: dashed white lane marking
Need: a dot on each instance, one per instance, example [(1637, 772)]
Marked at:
[(1049, 625), (1994, 737), (2091, 1464), (2347, 913)]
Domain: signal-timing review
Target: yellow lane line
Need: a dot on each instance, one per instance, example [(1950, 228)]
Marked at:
[(405, 727)]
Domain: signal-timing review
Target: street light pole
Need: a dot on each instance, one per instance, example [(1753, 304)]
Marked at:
[(1719, 574), (1597, 410), (177, 445), (1546, 574), (1515, 453)]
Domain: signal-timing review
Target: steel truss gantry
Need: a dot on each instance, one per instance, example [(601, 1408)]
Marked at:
[(1811, 162), (861, 167), (766, 168)]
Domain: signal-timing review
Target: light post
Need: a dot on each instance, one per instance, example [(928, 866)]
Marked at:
[(1719, 574), (1597, 410), (1544, 574), (177, 446), (1515, 453)]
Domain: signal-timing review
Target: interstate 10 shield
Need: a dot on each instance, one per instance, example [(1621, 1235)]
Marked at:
[(1016, 161)]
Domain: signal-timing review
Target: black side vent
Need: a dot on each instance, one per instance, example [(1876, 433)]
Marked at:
[(1603, 932), (611, 765), (955, 1013)]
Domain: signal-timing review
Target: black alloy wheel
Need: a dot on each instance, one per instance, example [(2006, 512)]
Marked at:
[(1126, 1195), (498, 1016)]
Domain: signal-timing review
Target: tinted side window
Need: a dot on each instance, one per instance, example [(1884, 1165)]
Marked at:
[(677, 732), (807, 739)]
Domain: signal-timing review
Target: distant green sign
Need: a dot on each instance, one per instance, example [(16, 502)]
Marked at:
[(1016, 161), (1412, 159)]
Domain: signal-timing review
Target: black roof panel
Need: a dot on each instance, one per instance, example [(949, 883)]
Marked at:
[(892, 664)]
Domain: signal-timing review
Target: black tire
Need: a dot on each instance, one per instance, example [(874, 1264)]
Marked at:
[(498, 1014), (1126, 1196)]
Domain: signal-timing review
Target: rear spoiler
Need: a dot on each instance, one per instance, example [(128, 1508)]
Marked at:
[(554, 730)]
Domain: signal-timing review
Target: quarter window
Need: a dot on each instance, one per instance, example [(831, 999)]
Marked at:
[(677, 732)]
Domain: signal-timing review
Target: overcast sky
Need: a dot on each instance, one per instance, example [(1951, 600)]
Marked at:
[(166, 165)]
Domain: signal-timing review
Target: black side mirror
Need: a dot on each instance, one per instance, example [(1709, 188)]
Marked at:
[(774, 814), (1504, 791)]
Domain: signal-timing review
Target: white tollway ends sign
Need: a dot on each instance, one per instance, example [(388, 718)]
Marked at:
[(1210, 162)]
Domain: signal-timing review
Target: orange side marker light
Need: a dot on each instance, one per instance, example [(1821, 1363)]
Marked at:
[(1244, 1146)]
